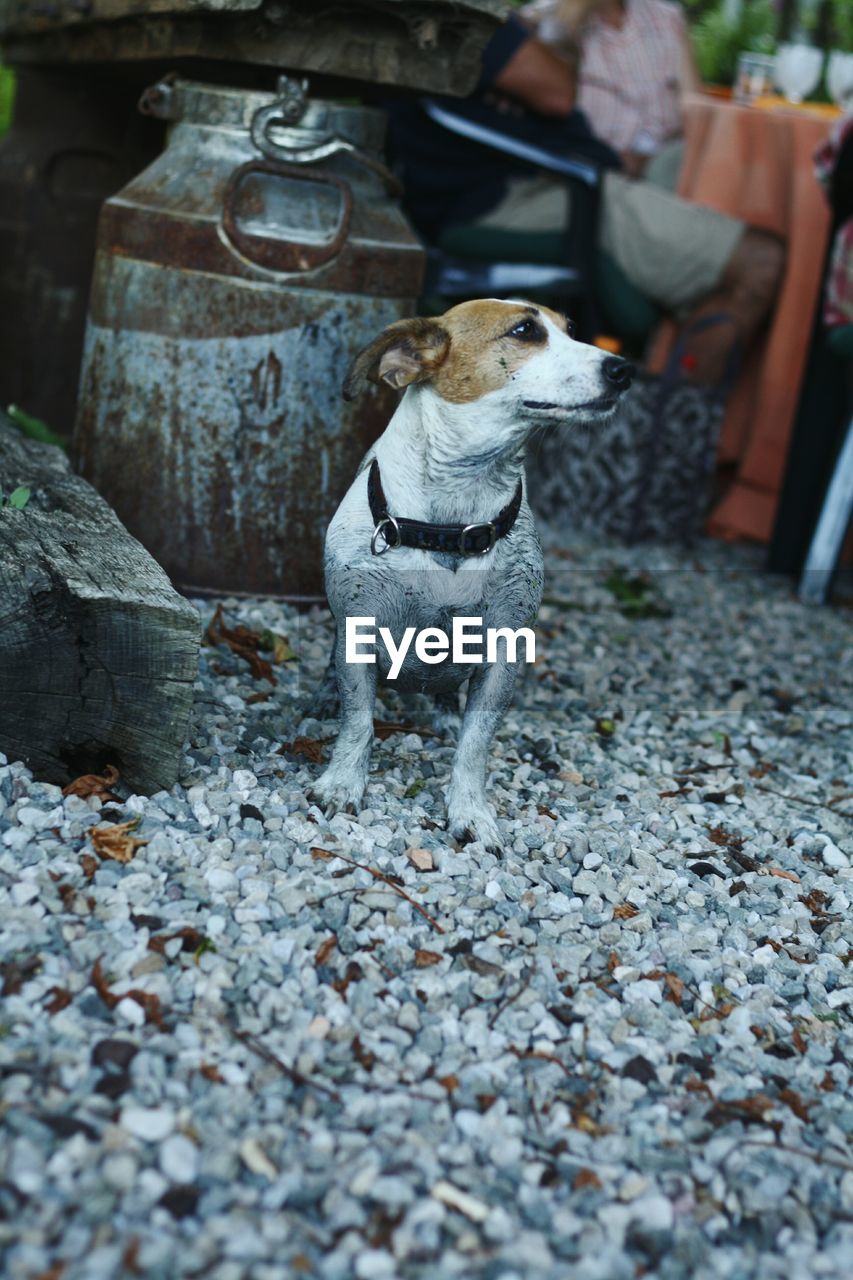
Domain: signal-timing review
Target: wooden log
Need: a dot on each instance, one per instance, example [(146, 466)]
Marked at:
[(98, 652), (433, 46)]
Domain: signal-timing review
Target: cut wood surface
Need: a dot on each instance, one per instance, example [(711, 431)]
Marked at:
[(98, 652), (430, 45)]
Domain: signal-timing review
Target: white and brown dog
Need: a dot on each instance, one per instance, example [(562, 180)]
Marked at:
[(436, 523)]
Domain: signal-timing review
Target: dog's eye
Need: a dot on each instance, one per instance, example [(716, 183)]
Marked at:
[(526, 331), (571, 327)]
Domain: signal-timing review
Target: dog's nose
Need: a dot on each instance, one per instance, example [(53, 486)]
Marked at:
[(618, 372)]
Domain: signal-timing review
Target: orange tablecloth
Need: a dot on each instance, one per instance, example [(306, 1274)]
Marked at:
[(757, 165)]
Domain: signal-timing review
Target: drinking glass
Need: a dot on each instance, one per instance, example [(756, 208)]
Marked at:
[(798, 70), (839, 78)]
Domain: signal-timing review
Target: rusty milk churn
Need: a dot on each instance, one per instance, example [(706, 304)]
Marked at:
[(235, 279)]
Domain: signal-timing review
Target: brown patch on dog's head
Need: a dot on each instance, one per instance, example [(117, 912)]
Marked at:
[(472, 349)]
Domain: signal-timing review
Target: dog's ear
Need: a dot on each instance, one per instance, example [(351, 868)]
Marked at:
[(407, 351)]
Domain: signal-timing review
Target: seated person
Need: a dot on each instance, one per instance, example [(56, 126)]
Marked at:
[(689, 259), (633, 63)]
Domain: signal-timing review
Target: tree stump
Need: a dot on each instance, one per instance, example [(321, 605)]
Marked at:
[(98, 652)]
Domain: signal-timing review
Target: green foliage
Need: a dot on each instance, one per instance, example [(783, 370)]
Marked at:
[(842, 25), (718, 42), (18, 498), (7, 98), (634, 595), (34, 428)]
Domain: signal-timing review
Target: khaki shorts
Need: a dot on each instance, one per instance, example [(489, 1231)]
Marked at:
[(671, 250)]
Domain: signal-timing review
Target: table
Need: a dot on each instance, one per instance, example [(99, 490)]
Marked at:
[(756, 164)]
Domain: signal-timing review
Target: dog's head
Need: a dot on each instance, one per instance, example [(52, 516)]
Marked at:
[(516, 362)]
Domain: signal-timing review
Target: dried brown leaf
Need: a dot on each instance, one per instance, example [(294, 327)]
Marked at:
[(674, 988), (325, 949), (586, 1178), (815, 900), (61, 999), (88, 864), (130, 1257), (191, 940), (310, 749), (116, 842), (423, 959), (383, 729), (54, 1272), (450, 1083), (94, 784), (625, 911), (586, 1124), (793, 1100), (321, 855), (16, 972), (212, 1073), (354, 973), (243, 642), (145, 999), (781, 875), (363, 1056)]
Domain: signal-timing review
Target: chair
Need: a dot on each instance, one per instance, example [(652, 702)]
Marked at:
[(836, 512), (471, 261)]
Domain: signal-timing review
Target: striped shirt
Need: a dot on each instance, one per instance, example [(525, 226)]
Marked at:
[(629, 80)]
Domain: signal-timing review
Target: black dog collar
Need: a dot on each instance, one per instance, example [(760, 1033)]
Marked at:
[(457, 539)]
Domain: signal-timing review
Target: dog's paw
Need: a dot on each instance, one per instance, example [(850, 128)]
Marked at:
[(474, 822), (338, 792)]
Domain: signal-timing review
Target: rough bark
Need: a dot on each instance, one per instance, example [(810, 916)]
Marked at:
[(98, 652), (429, 45)]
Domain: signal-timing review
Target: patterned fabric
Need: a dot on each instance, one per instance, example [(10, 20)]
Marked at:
[(838, 298), (643, 476), (838, 295), (630, 76)]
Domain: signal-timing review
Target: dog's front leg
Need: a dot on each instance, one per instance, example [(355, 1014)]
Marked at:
[(469, 814), (342, 785)]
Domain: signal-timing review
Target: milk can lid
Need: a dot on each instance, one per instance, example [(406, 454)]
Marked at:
[(294, 116)]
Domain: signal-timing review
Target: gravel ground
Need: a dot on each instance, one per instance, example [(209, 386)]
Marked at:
[(620, 1050)]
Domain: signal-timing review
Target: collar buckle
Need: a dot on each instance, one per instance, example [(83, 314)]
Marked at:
[(470, 530)]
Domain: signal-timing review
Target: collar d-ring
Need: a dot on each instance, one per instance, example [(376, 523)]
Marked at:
[(380, 529)]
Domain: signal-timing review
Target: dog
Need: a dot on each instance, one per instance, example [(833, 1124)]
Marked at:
[(436, 524)]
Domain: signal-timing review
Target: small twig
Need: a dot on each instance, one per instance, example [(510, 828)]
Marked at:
[(257, 1047), (794, 1151), (821, 804), (505, 1004), (377, 875), (539, 1055)]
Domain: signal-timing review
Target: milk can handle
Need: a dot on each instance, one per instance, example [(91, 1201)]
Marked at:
[(283, 255), (267, 117)]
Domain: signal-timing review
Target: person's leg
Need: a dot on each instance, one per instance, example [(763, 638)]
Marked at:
[(693, 261), (746, 293)]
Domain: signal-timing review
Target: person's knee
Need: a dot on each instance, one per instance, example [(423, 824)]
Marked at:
[(757, 265)]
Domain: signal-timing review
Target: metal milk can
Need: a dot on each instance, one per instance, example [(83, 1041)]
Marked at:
[(235, 279)]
